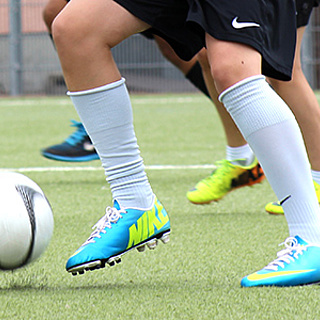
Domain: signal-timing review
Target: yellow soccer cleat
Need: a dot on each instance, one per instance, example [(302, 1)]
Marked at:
[(276, 209), (225, 178)]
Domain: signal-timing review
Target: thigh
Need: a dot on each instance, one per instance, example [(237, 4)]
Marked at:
[(102, 21)]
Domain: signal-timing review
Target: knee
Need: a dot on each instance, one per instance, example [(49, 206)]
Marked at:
[(232, 62), (57, 28), (48, 17), (224, 74), (221, 68), (65, 32), (51, 10)]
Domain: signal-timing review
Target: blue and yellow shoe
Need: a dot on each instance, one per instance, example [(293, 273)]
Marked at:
[(225, 178), (118, 232), (297, 264), (76, 148), (276, 208)]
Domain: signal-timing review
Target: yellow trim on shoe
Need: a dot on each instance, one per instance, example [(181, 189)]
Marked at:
[(276, 209)]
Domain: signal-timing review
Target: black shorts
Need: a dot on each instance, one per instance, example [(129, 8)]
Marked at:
[(304, 10), (168, 20), (266, 25), (148, 34)]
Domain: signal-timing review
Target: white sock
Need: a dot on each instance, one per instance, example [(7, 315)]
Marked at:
[(273, 134), (244, 152), (316, 176), (106, 114)]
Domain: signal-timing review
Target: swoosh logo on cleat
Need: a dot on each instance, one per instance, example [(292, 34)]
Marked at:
[(256, 276), (241, 25)]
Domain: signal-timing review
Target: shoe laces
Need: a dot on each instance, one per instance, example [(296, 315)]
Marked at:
[(291, 252), (112, 216), (78, 135)]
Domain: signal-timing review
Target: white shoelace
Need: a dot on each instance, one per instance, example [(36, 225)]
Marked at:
[(112, 216), (291, 252)]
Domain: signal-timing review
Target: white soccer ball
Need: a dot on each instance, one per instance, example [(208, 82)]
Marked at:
[(26, 221)]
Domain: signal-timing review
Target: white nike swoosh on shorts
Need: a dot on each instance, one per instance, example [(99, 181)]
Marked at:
[(241, 25)]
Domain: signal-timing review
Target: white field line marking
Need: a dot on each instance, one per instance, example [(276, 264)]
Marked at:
[(70, 169)]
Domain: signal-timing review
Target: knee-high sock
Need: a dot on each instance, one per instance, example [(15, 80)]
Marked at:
[(106, 114), (273, 134)]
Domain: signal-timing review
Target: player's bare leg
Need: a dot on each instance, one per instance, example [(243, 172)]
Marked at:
[(300, 97), (240, 168), (84, 34), (270, 128)]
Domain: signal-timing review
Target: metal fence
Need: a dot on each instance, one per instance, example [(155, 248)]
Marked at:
[(311, 59), (29, 63)]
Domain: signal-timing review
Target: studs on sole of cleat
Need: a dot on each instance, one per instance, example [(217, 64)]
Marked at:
[(118, 260), (141, 248), (112, 261), (99, 264), (152, 244), (165, 237), (87, 267), (79, 272)]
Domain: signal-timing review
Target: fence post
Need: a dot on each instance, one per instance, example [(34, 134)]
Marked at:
[(15, 48), (307, 55)]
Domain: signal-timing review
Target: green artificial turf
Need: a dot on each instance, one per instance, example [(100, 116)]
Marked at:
[(196, 275)]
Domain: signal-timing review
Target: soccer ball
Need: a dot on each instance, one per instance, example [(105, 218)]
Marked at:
[(26, 221)]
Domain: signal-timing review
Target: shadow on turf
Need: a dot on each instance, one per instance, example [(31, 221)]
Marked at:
[(27, 287), (11, 280)]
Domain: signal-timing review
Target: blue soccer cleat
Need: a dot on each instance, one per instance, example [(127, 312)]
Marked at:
[(117, 232), (76, 148), (297, 264)]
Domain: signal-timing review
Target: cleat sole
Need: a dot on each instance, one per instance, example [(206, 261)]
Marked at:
[(92, 265), (112, 261)]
